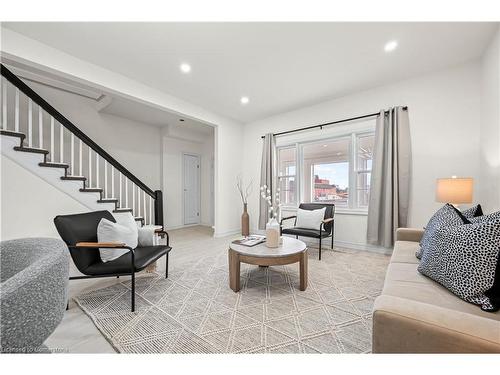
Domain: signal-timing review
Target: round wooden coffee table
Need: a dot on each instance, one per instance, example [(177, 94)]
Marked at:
[(290, 251)]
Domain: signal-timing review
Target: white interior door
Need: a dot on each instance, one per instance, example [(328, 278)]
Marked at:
[(191, 189)]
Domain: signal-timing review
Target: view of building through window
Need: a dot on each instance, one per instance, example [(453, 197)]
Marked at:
[(331, 183), (326, 167)]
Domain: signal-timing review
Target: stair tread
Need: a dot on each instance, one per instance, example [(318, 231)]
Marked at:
[(107, 200), (122, 209), (53, 165), (91, 190), (31, 149), (11, 133), (74, 178)]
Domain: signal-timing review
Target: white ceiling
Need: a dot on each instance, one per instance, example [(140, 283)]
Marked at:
[(279, 66)]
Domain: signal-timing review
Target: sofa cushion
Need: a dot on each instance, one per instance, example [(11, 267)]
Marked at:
[(446, 216), (463, 259)]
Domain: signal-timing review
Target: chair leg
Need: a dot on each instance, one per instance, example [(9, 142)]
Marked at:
[(332, 241), (133, 282), (166, 267), (320, 248), (297, 237), (133, 291)]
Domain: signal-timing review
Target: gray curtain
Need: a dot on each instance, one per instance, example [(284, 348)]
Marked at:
[(267, 175), (390, 180)]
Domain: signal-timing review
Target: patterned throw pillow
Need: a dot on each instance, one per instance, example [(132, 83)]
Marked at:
[(475, 211), (446, 216), (464, 260), (484, 218), (494, 292)]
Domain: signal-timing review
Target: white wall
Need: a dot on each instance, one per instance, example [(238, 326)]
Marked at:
[(490, 126), (19, 49), (28, 203), (444, 120), (174, 147)]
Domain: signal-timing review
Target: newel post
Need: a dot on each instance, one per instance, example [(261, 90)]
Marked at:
[(158, 208)]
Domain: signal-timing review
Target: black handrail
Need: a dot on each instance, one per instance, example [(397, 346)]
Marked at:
[(12, 78)]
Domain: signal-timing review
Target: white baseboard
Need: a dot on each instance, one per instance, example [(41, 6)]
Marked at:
[(227, 233), (184, 226)]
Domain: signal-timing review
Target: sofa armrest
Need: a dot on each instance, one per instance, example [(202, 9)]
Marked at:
[(409, 234)]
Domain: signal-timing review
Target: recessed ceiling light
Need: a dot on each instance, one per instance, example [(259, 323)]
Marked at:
[(325, 145), (391, 46), (244, 100), (185, 68)]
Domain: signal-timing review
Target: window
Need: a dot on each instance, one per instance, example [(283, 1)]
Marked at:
[(335, 170), (287, 170)]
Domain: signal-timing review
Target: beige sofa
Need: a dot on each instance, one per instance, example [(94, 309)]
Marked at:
[(417, 315)]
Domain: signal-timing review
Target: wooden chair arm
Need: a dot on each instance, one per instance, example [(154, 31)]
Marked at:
[(110, 245), (328, 220)]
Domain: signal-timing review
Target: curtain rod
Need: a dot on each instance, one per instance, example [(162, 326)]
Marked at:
[(331, 123)]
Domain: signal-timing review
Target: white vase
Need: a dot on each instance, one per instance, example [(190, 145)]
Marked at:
[(272, 233)]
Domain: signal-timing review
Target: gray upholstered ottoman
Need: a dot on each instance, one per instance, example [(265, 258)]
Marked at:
[(33, 291)]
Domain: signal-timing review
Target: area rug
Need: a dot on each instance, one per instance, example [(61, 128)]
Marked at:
[(194, 311)]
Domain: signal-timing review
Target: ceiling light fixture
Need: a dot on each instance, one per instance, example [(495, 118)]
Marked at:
[(244, 100), (391, 46), (185, 68)]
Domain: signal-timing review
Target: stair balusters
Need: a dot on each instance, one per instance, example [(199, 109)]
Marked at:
[(16, 112), (133, 199), (96, 170), (150, 210), (80, 159), (30, 123), (89, 178), (52, 149), (120, 193), (4, 104), (61, 143), (106, 195), (72, 150), (40, 128)]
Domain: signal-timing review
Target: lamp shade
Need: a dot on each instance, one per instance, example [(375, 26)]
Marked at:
[(454, 190)]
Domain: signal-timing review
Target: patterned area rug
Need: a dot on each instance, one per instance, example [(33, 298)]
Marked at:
[(194, 311)]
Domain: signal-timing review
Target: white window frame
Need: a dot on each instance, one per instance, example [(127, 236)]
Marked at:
[(295, 176), (352, 205)]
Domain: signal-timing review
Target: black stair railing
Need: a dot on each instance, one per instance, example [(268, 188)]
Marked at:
[(156, 195)]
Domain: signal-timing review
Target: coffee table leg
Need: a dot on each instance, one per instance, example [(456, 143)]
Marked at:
[(234, 270), (303, 270)]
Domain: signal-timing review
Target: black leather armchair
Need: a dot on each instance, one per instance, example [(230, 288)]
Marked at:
[(79, 232), (325, 230)]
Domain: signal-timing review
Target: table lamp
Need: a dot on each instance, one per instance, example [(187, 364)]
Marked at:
[(454, 190)]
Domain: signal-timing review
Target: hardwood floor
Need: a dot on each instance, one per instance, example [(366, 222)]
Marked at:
[(77, 333)]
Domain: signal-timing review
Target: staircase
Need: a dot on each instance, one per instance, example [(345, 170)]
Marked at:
[(37, 136)]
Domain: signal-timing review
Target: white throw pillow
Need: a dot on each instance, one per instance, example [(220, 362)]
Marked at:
[(310, 219), (147, 236), (107, 231)]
